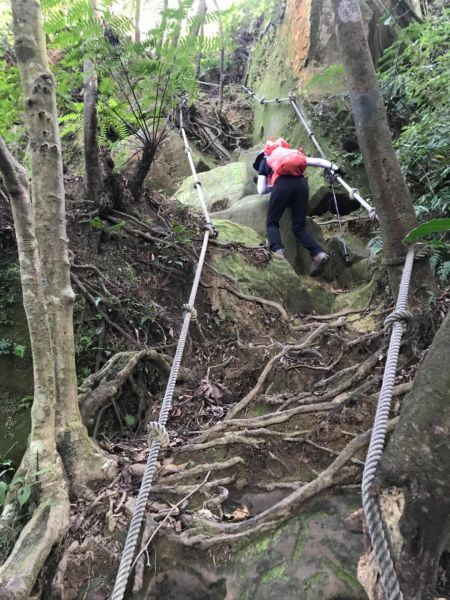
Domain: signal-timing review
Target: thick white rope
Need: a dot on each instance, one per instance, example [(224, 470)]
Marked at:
[(158, 435), (397, 320)]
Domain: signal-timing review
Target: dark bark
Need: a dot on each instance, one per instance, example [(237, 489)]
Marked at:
[(93, 172), (422, 440), (390, 194), (142, 169)]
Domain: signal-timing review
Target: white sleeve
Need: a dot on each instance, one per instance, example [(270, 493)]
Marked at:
[(321, 162), (261, 184)]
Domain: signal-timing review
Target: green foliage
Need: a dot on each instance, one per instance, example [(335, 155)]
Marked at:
[(97, 223), (437, 229), (139, 83), (130, 420), (414, 75), (433, 226), (9, 348)]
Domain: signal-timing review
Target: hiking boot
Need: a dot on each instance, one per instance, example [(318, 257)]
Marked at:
[(318, 263), (280, 252)]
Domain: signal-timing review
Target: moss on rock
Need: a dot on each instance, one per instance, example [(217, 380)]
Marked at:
[(222, 187)]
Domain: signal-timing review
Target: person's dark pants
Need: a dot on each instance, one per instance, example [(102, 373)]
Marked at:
[(290, 191)]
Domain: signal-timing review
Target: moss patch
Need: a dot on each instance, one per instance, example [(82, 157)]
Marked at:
[(343, 574), (276, 573), (233, 232)]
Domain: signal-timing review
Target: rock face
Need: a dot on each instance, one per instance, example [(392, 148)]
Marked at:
[(272, 279), (311, 557), (252, 210), (222, 187)]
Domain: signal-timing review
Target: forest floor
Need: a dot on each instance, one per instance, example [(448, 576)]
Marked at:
[(268, 413)]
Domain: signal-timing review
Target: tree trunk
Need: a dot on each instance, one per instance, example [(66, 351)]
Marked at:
[(222, 55), (197, 29), (92, 167), (137, 21), (389, 191), (418, 482), (41, 465), (50, 229), (142, 169)]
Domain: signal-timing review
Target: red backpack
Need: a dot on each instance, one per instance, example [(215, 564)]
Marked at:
[(285, 161)]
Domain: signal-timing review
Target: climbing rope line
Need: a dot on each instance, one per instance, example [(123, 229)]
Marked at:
[(341, 231), (158, 436), (397, 321), (352, 192)]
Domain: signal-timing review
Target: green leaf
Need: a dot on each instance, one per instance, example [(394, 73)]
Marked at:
[(3, 489), (433, 226), (130, 420), (24, 494)]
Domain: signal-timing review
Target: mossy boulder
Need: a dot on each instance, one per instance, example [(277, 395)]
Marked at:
[(252, 212), (359, 298), (311, 557), (222, 187), (272, 280), (234, 232)]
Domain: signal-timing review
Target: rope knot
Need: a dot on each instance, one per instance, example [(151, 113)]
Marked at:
[(158, 433), (397, 315), (212, 230), (189, 308)]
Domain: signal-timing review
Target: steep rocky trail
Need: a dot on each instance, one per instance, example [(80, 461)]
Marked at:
[(253, 497)]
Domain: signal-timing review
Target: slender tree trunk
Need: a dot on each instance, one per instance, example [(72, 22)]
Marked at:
[(92, 167), (41, 465), (50, 229), (142, 169), (415, 475), (137, 20), (389, 191), (197, 29), (222, 55)]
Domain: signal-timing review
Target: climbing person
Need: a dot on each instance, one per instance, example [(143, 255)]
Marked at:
[(280, 171)]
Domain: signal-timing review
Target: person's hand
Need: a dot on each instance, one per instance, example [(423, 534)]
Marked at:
[(336, 170)]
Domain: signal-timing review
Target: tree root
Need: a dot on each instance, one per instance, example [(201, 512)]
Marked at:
[(200, 469), (282, 510), (105, 317), (45, 529), (276, 305), (237, 408), (110, 379), (229, 438)]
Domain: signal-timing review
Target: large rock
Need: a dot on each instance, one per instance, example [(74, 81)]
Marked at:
[(311, 557), (222, 187), (252, 211), (273, 280)]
